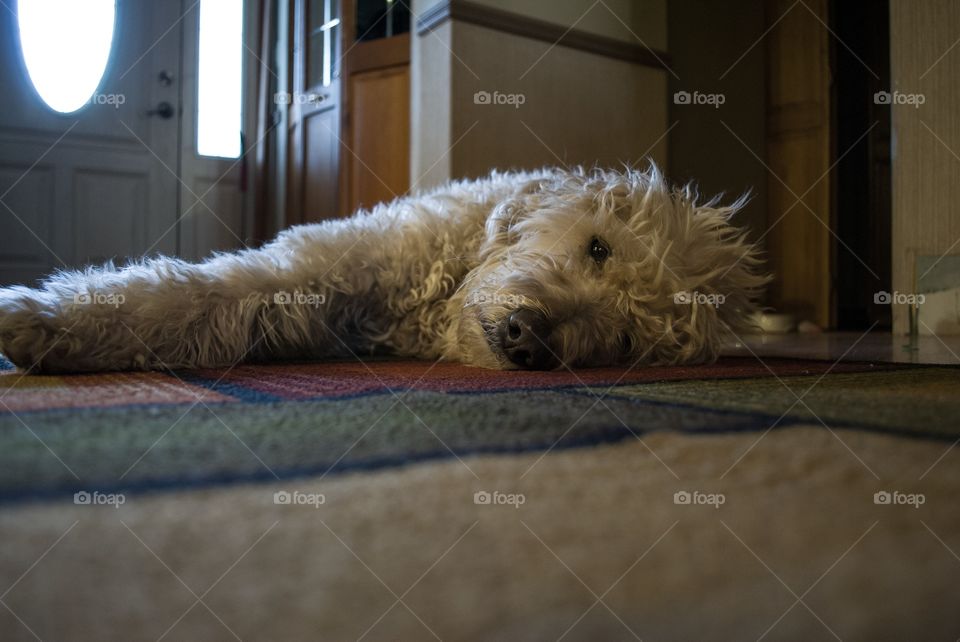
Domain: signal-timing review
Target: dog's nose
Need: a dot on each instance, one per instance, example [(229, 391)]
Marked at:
[(523, 337)]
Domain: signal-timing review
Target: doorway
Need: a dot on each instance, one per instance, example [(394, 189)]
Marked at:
[(121, 175), (861, 81), (828, 147)]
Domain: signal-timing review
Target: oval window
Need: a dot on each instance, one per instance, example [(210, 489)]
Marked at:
[(66, 45)]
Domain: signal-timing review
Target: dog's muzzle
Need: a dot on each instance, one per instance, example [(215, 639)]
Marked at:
[(524, 338)]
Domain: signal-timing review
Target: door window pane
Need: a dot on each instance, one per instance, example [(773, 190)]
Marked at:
[(66, 46), (323, 29), (382, 18), (220, 78)]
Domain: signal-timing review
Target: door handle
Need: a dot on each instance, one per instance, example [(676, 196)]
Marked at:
[(164, 110)]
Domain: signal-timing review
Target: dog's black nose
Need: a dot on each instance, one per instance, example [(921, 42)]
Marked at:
[(524, 338)]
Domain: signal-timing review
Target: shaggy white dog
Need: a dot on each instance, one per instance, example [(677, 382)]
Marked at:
[(535, 270)]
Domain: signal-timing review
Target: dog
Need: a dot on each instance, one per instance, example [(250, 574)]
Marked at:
[(519, 270)]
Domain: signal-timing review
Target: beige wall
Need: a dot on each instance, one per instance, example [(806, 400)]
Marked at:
[(578, 107), (926, 171), (430, 114)]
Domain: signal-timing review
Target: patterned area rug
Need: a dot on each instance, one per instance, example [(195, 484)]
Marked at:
[(150, 431), (775, 500)]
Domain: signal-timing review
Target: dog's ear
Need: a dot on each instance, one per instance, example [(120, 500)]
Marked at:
[(502, 219), (507, 213)]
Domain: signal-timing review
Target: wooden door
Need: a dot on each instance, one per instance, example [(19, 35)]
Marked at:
[(315, 112), (799, 153)]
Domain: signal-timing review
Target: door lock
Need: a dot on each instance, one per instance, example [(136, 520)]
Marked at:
[(164, 110)]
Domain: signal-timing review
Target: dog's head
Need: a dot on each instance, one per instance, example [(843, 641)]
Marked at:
[(603, 268)]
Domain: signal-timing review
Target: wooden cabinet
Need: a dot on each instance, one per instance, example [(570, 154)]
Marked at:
[(378, 127)]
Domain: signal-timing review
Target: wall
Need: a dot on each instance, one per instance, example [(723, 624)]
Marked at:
[(577, 107), (926, 143), (624, 20), (431, 68)]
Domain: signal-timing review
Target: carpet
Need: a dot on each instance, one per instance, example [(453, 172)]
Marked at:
[(141, 431), (775, 500)]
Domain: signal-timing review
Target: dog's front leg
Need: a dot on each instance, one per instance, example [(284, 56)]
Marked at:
[(163, 313)]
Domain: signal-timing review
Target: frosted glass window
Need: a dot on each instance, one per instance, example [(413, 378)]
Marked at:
[(66, 47), (220, 78)]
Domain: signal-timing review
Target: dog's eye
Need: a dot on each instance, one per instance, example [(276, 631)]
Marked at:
[(598, 250), (626, 344)]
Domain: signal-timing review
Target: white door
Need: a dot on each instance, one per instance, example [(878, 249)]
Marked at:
[(120, 176), (219, 76)]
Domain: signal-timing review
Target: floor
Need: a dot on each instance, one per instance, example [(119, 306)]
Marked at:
[(785, 500), (851, 346)]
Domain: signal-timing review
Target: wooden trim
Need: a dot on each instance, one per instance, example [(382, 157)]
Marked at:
[(520, 25), (800, 248), (348, 31), (378, 53), (265, 106)]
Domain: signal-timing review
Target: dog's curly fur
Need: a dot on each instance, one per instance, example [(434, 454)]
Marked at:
[(432, 276)]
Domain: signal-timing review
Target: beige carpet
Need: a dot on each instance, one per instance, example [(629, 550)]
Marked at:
[(798, 522)]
